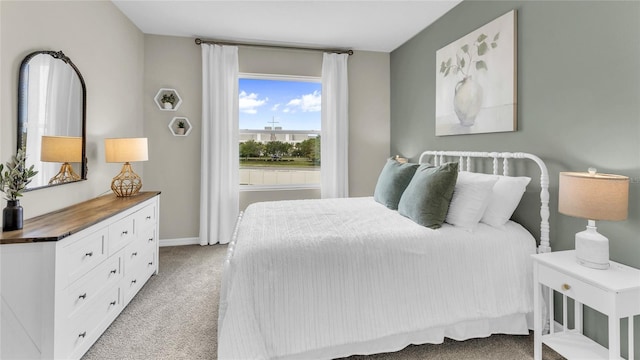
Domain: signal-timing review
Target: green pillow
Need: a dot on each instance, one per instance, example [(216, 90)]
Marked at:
[(392, 181), (426, 199)]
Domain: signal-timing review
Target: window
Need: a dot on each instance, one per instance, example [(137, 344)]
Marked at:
[(279, 123)]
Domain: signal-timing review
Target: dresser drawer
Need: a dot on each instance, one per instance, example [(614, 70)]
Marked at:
[(145, 218), (120, 234), (85, 327), (134, 254), (84, 290), (150, 238), (579, 290), (82, 255), (136, 276)]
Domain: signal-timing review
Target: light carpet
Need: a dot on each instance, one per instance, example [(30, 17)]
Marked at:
[(175, 315)]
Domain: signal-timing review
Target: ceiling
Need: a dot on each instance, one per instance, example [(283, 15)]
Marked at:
[(358, 25)]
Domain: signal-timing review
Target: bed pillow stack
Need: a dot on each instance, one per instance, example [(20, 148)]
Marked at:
[(426, 199), (392, 181), (490, 199)]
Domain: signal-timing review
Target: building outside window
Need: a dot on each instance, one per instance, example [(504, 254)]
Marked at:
[(279, 127)]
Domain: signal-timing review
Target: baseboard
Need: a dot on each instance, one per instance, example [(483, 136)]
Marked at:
[(179, 242)]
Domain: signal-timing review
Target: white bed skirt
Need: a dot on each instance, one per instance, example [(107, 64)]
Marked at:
[(517, 324)]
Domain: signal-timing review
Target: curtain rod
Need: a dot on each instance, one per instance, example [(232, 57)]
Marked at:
[(218, 42)]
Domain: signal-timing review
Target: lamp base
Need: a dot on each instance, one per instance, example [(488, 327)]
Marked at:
[(592, 248), (127, 183), (65, 175)]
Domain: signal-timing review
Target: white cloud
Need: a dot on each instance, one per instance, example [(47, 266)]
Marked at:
[(249, 103), (306, 103), (275, 107)]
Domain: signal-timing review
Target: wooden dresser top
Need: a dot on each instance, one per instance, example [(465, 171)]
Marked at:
[(61, 223)]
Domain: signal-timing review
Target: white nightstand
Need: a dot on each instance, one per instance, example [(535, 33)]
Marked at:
[(614, 292)]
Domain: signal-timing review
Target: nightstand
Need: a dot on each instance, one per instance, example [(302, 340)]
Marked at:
[(614, 292)]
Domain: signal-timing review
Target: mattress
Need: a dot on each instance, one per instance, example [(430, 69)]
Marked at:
[(335, 277)]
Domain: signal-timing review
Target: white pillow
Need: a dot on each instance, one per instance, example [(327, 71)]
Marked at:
[(471, 196), (506, 196)]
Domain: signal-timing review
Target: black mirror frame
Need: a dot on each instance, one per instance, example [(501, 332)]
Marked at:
[(22, 107)]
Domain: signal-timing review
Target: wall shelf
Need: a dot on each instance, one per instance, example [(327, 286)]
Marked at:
[(175, 129), (166, 91)]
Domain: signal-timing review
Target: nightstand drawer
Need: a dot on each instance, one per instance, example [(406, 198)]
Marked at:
[(587, 294)]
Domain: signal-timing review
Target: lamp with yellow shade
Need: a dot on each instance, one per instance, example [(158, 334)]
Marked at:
[(593, 196), (65, 150), (126, 150)]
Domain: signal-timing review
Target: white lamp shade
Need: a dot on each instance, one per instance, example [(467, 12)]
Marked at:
[(594, 196), (62, 149), (126, 149)]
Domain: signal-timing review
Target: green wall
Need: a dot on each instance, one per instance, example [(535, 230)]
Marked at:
[(578, 106)]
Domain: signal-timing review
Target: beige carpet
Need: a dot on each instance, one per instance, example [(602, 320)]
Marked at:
[(175, 316)]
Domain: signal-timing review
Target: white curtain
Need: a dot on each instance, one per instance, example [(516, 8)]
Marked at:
[(219, 189), (334, 141)]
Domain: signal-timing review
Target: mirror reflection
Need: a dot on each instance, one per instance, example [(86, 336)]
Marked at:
[(51, 118)]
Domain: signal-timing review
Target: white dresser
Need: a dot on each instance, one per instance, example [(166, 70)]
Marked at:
[(67, 275)]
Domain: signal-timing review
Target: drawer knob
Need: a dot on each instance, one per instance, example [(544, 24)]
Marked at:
[(134, 281), (83, 296), (114, 271), (151, 263), (149, 217), (150, 239), (566, 287), (134, 254), (82, 334), (89, 253), (112, 303)]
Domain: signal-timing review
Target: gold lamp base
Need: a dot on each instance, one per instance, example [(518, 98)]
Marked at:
[(127, 183), (65, 175)]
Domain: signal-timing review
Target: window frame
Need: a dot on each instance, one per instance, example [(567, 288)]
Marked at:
[(276, 77)]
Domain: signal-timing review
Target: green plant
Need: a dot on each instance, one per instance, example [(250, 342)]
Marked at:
[(181, 124), (465, 61), (168, 98), (16, 177)]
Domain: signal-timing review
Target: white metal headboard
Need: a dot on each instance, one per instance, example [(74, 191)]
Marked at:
[(439, 156)]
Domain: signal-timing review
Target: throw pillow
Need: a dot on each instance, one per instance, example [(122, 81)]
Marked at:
[(392, 181), (426, 198)]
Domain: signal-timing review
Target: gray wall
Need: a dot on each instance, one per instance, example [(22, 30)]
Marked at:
[(578, 105), (108, 50), (174, 162)]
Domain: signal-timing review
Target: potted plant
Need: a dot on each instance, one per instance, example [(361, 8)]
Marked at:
[(13, 181), (168, 100), (181, 128)]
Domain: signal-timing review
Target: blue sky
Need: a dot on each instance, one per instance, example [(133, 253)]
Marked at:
[(295, 105)]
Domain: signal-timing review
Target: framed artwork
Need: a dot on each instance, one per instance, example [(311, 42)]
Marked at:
[(476, 81)]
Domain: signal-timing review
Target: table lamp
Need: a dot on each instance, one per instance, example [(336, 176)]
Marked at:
[(65, 150), (593, 196), (126, 150)]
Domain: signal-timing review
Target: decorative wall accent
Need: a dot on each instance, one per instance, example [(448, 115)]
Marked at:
[(168, 99), (180, 126), (476, 80)]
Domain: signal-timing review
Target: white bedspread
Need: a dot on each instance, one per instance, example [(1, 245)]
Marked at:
[(334, 277)]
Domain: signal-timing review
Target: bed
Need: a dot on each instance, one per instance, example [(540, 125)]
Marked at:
[(322, 279)]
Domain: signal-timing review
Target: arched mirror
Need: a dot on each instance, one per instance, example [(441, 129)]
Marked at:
[(51, 118)]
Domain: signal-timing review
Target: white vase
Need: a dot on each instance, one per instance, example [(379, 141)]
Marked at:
[(167, 106), (467, 101), (180, 131)]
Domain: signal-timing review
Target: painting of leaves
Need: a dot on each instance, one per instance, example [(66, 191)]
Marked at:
[(476, 80)]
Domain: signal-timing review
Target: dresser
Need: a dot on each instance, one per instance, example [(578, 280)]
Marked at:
[(67, 275)]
